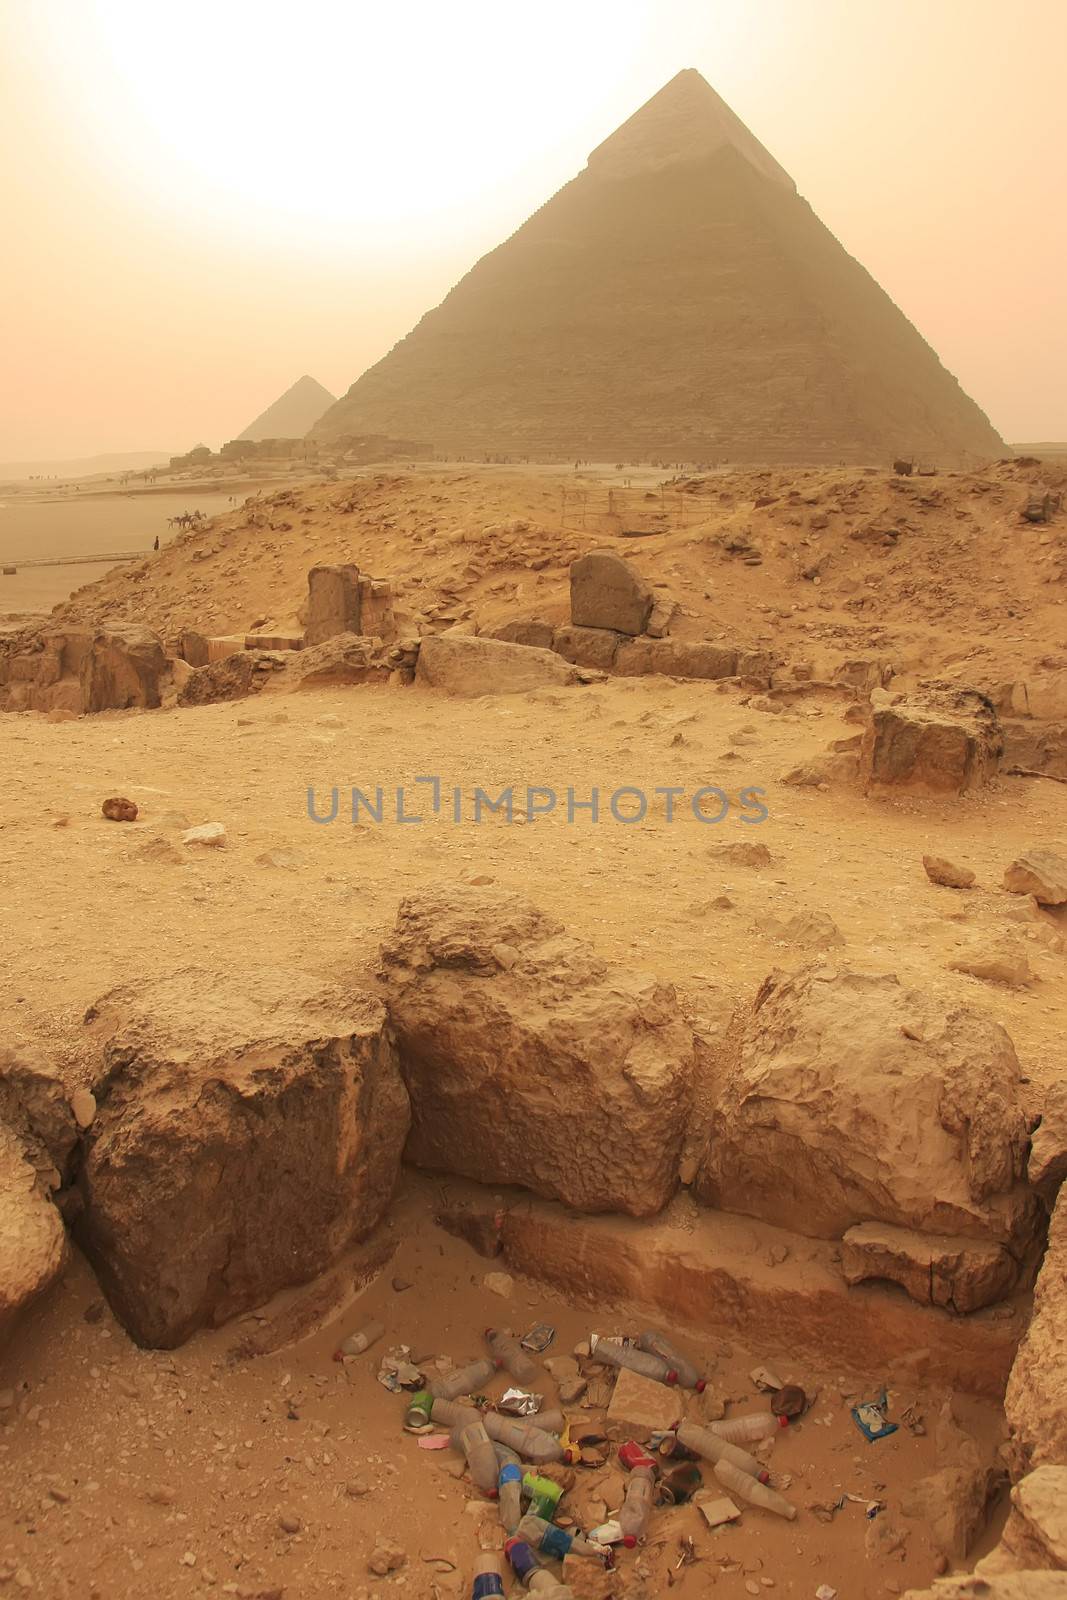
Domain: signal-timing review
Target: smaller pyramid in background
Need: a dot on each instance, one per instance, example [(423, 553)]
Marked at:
[(293, 413)]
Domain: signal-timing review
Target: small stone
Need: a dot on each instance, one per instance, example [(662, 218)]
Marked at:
[(949, 876), (751, 1586), (119, 809), (212, 835), (83, 1105), (501, 1283), (386, 1558), (288, 1523), (355, 1488), (188, 1559), (400, 1284)]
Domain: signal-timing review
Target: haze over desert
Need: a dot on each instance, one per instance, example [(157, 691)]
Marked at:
[(533, 828)]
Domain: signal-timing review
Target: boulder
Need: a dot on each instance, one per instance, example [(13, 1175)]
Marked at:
[(951, 1505), (962, 1274), (1047, 1166), (853, 1099), (334, 602), (248, 1129), (193, 647), (1036, 1401), (1040, 872), (350, 658), (35, 1104), (939, 740), (1034, 1537), (32, 1238), (947, 874), (531, 1061), (607, 592), (587, 647), (122, 669), (474, 666), (528, 631), (1004, 963), (675, 659), (232, 678)]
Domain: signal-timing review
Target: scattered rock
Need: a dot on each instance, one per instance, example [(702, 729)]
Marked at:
[(289, 1523), (386, 1557), (211, 835), (949, 876), (640, 1407), (1007, 965), (117, 809), (501, 1283), (1042, 873), (742, 853), (951, 1505), (83, 1105)]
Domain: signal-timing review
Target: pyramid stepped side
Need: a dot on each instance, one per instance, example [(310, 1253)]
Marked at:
[(686, 309), (293, 414)]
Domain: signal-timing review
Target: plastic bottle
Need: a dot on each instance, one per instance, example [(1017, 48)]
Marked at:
[(417, 1415), (523, 1561), (509, 1489), (548, 1421), (468, 1380), (488, 1578), (525, 1438), (544, 1583), (712, 1448), (508, 1350), (657, 1344), (481, 1458), (613, 1354), (361, 1340), (633, 1517), (544, 1494), (750, 1489), (452, 1415), (554, 1541), (753, 1425)]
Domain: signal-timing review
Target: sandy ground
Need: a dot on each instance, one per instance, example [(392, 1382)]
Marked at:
[(128, 1473), (86, 904)]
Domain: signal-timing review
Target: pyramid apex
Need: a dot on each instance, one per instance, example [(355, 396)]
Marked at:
[(684, 121)]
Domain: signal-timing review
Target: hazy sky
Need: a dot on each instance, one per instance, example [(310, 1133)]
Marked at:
[(201, 201)]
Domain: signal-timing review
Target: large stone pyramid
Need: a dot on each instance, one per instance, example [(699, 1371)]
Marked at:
[(293, 413), (677, 301)]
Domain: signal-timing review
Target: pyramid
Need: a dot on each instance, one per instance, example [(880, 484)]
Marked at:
[(676, 301), (293, 414)]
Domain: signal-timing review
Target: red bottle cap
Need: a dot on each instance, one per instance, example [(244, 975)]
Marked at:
[(672, 1377), (628, 1541), (700, 1385), (783, 1422), (509, 1544), (764, 1476)]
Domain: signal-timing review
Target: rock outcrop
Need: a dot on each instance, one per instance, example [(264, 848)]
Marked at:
[(247, 1130), (32, 1237), (341, 599), (1034, 1538), (939, 740), (962, 1274), (466, 664), (853, 1100), (1036, 1400), (531, 1061), (607, 592), (115, 668)]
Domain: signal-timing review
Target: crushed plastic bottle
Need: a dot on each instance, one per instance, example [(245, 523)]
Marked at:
[(481, 1458), (359, 1341), (467, 1380), (753, 1425), (509, 1490), (657, 1344), (543, 1583), (488, 1577), (508, 1350), (614, 1354), (554, 1541), (637, 1505), (453, 1415), (713, 1449), (750, 1489)]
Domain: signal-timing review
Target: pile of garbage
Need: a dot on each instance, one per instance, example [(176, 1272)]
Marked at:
[(525, 1457)]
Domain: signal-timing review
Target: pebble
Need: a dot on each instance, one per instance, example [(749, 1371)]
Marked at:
[(212, 835), (288, 1523), (501, 1283)]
